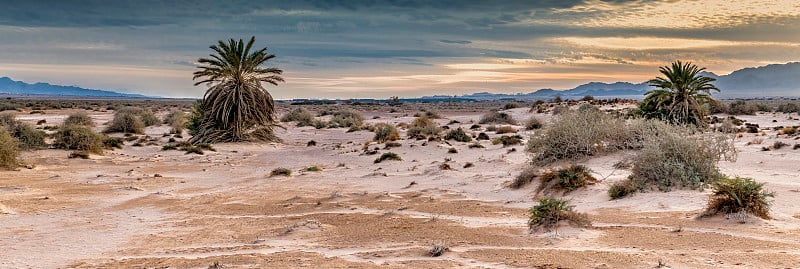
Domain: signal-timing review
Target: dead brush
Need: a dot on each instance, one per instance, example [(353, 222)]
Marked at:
[(438, 249), (527, 176)]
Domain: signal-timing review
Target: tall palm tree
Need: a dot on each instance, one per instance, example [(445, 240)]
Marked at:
[(236, 107), (682, 94)]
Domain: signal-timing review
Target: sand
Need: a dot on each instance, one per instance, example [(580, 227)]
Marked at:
[(141, 207)]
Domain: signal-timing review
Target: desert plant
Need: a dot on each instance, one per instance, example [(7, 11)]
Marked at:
[(385, 132), (195, 118), (739, 195), (496, 117), (8, 150), (28, 136), (300, 115), (505, 130), (550, 211), (79, 118), (280, 171), (313, 168), (78, 138), (475, 145), (740, 107), (125, 122), (533, 123), (452, 150), (566, 178), (574, 135), (437, 250), (388, 156), (176, 121), (789, 130), (422, 128), (681, 96), (149, 118), (527, 176), (788, 108), (458, 135), (511, 105), (236, 107), (346, 118), (508, 140), (622, 189)]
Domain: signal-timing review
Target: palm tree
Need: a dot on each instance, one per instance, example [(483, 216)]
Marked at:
[(682, 94), (236, 107)]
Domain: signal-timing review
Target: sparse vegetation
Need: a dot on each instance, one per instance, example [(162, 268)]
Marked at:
[(176, 121), (458, 135), (508, 140), (527, 176), (388, 156), (566, 178), (505, 130), (533, 123), (300, 115), (280, 171), (79, 138), (550, 211), (79, 118), (8, 150), (495, 117), (739, 195), (422, 128), (622, 189), (313, 168), (575, 135), (385, 132), (125, 122)]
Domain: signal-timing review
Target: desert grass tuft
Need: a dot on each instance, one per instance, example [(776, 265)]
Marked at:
[(280, 171), (566, 179), (388, 156), (458, 135), (385, 132), (422, 128), (739, 195), (528, 175), (550, 211)]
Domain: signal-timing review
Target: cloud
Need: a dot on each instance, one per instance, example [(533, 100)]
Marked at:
[(462, 42)]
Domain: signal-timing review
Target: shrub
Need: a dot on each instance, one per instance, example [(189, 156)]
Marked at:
[(575, 135), (437, 250), (505, 130), (567, 178), (527, 176), (125, 122), (458, 135), (497, 118), (431, 114), (346, 118), (28, 136), (779, 145), (511, 105), (788, 108), (423, 127), (8, 150), (508, 140), (79, 118), (302, 116), (388, 156), (789, 130), (622, 189), (533, 123), (79, 138), (476, 145), (195, 118), (739, 195), (741, 107), (385, 132), (280, 171), (79, 154), (176, 120), (762, 107), (681, 158), (313, 169), (452, 150), (8, 119), (483, 136), (148, 118), (550, 211)]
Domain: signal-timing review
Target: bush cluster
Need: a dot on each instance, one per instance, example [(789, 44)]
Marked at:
[(550, 211), (496, 117), (385, 132), (422, 128), (300, 115), (458, 135)]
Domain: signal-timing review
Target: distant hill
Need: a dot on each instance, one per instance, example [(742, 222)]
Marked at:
[(9, 86), (775, 80)]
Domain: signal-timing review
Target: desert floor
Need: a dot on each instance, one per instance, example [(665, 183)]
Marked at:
[(141, 207)]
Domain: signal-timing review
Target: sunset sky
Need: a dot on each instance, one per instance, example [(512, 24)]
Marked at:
[(363, 48)]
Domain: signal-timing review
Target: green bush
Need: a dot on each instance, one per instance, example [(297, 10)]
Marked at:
[(149, 119), (496, 117), (622, 189), (385, 132), (739, 195), (176, 121), (125, 122), (388, 156), (29, 137), (423, 127), (195, 118), (346, 118), (302, 116), (79, 138), (79, 118), (458, 135), (550, 211), (8, 150)]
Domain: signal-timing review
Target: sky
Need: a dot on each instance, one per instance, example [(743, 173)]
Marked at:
[(378, 49)]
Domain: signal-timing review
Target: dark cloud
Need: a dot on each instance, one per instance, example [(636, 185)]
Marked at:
[(462, 42)]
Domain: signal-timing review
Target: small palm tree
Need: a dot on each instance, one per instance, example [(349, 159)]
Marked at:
[(236, 107), (682, 95)]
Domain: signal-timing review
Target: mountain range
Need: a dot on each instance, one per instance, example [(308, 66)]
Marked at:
[(9, 86), (775, 80)]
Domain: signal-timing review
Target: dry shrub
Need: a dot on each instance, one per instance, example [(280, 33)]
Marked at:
[(280, 171), (8, 150), (79, 118), (681, 157), (79, 138), (622, 189), (527, 176), (496, 117), (385, 132), (29, 137), (176, 120), (458, 135), (511, 105), (550, 211), (125, 122), (302, 116), (789, 130), (566, 178), (575, 135), (388, 156), (739, 195), (533, 123), (346, 118), (508, 140), (8, 118), (422, 128), (505, 130), (740, 107), (431, 114), (148, 118)]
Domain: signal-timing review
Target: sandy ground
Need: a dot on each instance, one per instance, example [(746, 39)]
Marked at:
[(141, 207)]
